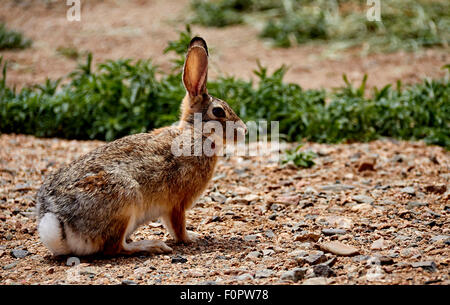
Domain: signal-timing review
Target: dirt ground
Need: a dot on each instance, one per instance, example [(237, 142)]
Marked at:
[(374, 213), (260, 223), (141, 28)]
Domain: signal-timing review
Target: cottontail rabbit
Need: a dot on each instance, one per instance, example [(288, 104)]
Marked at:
[(95, 203)]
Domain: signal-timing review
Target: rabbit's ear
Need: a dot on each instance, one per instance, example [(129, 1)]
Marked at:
[(196, 67)]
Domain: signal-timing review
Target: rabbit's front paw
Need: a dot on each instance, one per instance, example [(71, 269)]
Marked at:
[(191, 237)]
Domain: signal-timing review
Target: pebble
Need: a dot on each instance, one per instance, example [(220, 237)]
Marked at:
[(438, 188), (316, 281), (339, 248), (438, 238), (299, 225), (378, 244), (19, 253), (288, 199), (337, 187), (307, 236), (9, 266), (413, 204), (245, 277), (179, 259), (268, 252), (128, 282), (269, 234), (316, 258), (250, 237), (385, 260), (251, 198), (363, 199), (323, 270), (294, 275), (261, 274), (254, 254), (408, 190), (427, 265), (362, 207), (360, 258), (218, 197), (367, 164), (330, 232)]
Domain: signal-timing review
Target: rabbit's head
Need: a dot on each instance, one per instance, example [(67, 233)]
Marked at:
[(214, 113)]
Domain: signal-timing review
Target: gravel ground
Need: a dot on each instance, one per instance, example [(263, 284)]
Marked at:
[(374, 213)]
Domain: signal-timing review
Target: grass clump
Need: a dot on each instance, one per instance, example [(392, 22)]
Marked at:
[(123, 97), (10, 39), (405, 24), (299, 158)]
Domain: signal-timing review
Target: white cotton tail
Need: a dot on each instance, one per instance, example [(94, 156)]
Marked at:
[(51, 234)]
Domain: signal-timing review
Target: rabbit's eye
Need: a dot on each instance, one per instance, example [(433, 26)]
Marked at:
[(218, 112)]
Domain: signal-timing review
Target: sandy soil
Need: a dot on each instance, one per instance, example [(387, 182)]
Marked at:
[(258, 221), (141, 29)]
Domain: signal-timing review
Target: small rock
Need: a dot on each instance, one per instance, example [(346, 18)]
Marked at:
[(408, 190), (254, 254), (413, 204), (250, 237), (307, 236), (378, 244), (178, 259), (245, 277), (294, 275), (315, 258), (269, 234), (385, 260), (330, 232), (310, 190), (9, 266), (363, 199), (339, 248), (19, 253), (128, 282), (218, 197), (360, 258), (261, 274), (438, 188), (337, 187), (362, 207), (299, 225), (268, 252), (427, 265), (367, 164), (323, 270), (288, 199), (438, 238), (251, 197), (216, 219), (316, 281)]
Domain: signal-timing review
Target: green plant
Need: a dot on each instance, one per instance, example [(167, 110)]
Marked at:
[(405, 24), (123, 97), (69, 52), (299, 158), (10, 39)]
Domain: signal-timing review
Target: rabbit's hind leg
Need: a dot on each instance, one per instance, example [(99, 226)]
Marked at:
[(117, 242)]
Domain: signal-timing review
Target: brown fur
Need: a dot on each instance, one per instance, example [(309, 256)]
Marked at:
[(105, 195)]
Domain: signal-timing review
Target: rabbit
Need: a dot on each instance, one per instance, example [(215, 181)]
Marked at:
[(94, 204)]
